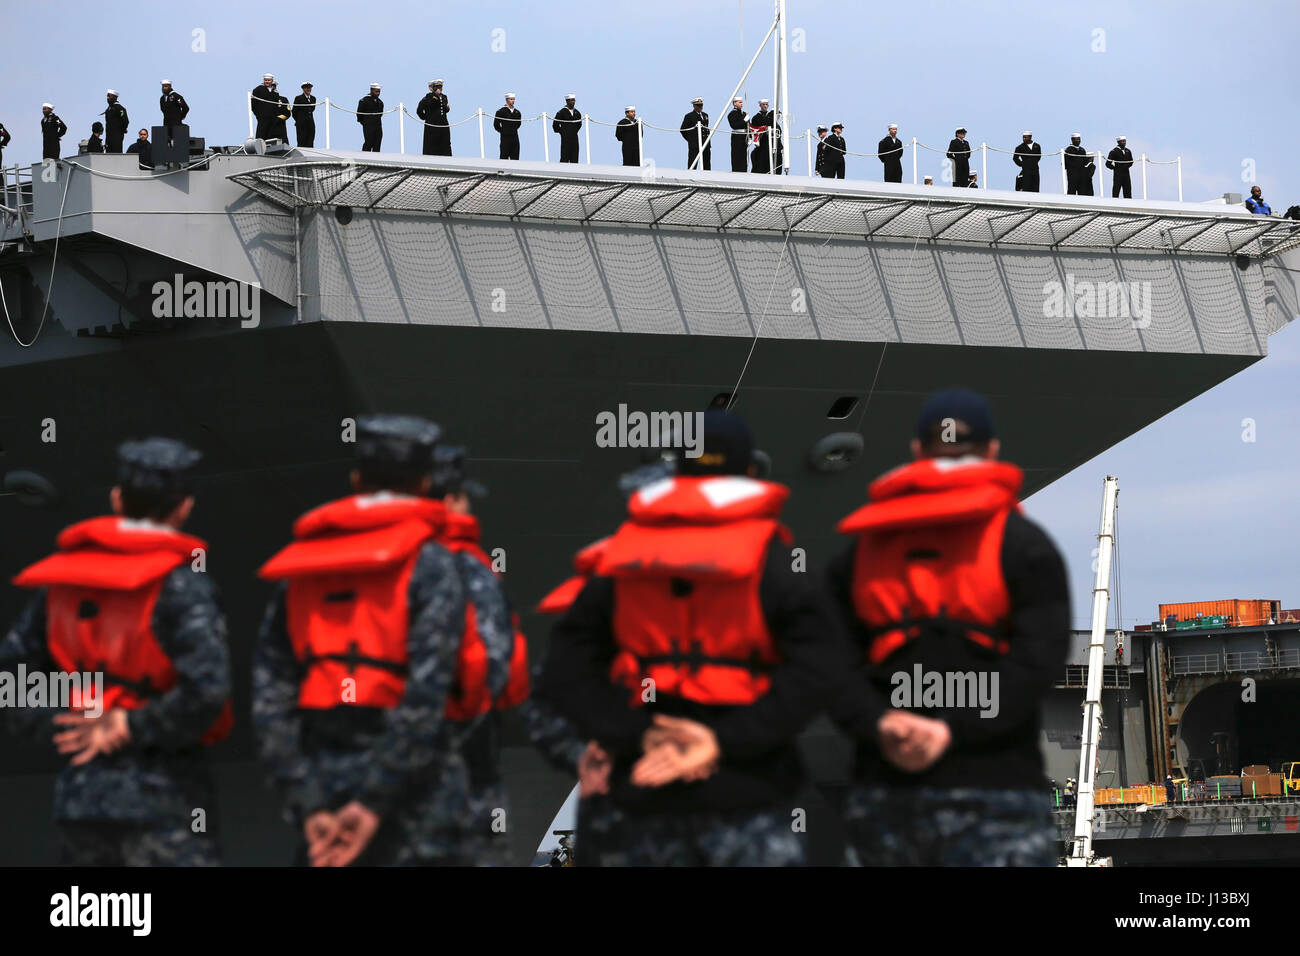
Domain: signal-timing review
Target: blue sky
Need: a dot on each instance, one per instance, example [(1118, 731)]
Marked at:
[(1204, 514)]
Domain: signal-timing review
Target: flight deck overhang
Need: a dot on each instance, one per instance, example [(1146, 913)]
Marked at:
[(742, 203)]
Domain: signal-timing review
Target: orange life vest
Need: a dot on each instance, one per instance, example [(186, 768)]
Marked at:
[(461, 534), (686, 568), (102, 586), (347, 613), (929, 554), (584, 562)]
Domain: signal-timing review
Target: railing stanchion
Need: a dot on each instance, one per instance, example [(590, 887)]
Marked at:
[(482, 151), (1180, 178), (699, 146), (1144, 175), (807, 135), (914, 180), (1101, 175), (251, 132), (640, 142), (401, 127), (546, 142), (327, 122), (984, 166), (1065, 177), (587, 128)]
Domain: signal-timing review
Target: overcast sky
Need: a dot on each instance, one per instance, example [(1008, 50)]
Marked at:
[(1204, 515)]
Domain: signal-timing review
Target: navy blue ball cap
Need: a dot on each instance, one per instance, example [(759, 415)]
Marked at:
[(397, 440), (961, 405), (155, 464), (449, 474), (727, 447)]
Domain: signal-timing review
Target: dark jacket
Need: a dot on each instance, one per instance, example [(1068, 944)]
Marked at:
[(304, 109), (759, 766), (892, 153), (370, 110), (567, 122), (1027, 156), (116, 122), (174, 108), (628, 133), (999, 752), (145, 151), (1120, 159), (507, 123)]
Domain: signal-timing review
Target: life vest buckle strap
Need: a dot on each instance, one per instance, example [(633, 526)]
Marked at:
[(354, 659)]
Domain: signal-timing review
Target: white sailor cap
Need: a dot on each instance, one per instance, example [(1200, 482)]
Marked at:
[(737, 99), (510, 96), (837, 125), (1121, 138), (697, 101), (47, 106), (628, 109), (1076, 136), (893, 126), (764, 103), (569, 96), (268, 76), (166, 82), (375, 86), (821, 129), (111, 92), (1028, 132)]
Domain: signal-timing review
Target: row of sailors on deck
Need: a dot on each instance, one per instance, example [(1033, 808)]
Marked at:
[(756, 141)]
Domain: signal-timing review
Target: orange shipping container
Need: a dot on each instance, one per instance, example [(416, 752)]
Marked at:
[(1240, 613)]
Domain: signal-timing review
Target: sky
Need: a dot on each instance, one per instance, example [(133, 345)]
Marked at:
[(1204, 514)]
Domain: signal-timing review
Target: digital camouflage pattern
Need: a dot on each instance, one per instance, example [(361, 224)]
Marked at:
[(927, 826), (402, 762), (608, 836), (161, 776), (125, 844)]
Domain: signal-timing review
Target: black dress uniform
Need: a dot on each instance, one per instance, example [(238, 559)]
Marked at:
[(116, 125), (568, 123), (739, 124), (507, 123), (52, 129), (695, 130), (304, 119), (959, 153), (891, 155), (94, 144), (370, 114), (1078, 182), (628, 133), (433, 109), (265, 102), (833, 163), (760, 161), (1027, 157), (278, 125), (4, 141), (819, 164), (1120, 159), (174, 110)]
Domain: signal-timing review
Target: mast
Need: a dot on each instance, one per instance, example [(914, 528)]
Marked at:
[(783, 85), (1082, 853)]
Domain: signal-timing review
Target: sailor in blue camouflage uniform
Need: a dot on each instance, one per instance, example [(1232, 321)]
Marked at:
[(357, 743), (485, 840), (137, 788)]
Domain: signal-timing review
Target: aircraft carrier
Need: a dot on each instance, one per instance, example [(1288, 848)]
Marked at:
[(513, 302)]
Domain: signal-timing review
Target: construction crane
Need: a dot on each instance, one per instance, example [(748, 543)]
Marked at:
[(1082, 853)]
